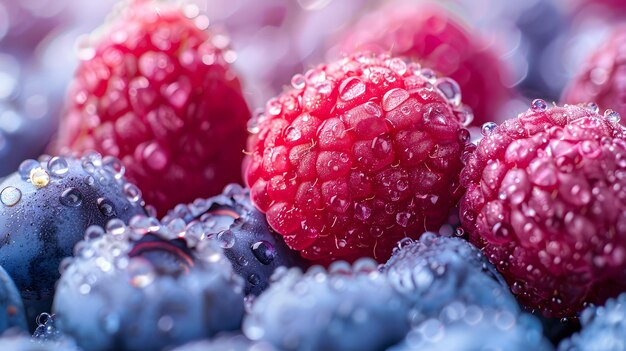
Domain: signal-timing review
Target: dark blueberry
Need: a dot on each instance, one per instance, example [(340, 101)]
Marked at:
[(143, 287), (435, 271), (45, 208), (460, 327), (603, 328), (253, 248), (344, 308), (557, 329), (11, 305), (236, 342)]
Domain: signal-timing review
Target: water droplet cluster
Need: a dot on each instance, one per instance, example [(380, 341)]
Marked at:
[(435, 271), (328, 310), (545, 198), (465, 327), (123, 274), (360, 153), (152, 87), (254, 250)]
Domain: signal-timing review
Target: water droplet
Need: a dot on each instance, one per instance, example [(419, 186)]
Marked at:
[(26, 167), (263, 251), (351, 88), (487, 128), (106, 207), (10, 196), (39, 177), (71, 197), (93, 232), (539, 105), (89, 180), (403, 218), (133, 194), (612, 116), (393, 98), (58, 166), (450, 89), (298, 81), (274, 107), (116, 227), (226, 239), (429, 75), (397, 65), (362, 211), (114, 165), (404, 242), (254, 279), (593, 107)]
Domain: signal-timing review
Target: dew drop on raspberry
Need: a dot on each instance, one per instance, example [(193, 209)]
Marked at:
[(487, 128), (450, 90), (612, 116), (351, 88), (539, 105), (393, 98)]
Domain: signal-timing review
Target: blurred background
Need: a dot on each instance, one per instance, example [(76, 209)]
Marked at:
[(540, 44)]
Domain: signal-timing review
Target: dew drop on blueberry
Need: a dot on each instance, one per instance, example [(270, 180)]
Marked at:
[(10, 196), (264, 251), (106, 207), (71, 197), (58, 166), (26, 167)]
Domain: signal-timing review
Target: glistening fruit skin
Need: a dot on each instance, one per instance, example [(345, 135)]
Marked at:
[(11, 304), (45, 208), (344, 308), (254, 249), (156, 90), (143, 287), (603, 328), (601, 78), (462, 327), (435, 271), (545, 202), (360, 153), (436, 38)]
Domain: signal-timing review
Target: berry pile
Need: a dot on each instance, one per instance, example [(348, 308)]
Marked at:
[(376, 213)]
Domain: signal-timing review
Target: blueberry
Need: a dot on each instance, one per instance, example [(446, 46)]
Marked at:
[(235, 342), (344, 308), (20, 342), (603, 328), (143, 287), (11, 305), (460, 327), (45, 208), (435, 271), (254, 249)]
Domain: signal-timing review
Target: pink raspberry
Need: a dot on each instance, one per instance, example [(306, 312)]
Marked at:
[(437, 39), (357, 155), (603, 76), (156, 90), (546, 202)]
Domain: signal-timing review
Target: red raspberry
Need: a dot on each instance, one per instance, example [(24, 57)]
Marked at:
[(359, 154), (437, 39), (546, 201), (603, 77), (157, 91)]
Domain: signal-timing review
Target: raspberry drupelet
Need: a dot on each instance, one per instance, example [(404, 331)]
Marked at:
[(358, 154), (545, 201)]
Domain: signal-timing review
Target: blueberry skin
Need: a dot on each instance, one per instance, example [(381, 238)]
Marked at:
[(345, 308), (41, 224), (143, 288), (236, 342), (603, 328), (461, 327), (436, 270), (11, 305), (253, 248)]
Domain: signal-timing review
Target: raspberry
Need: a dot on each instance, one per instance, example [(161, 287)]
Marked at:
[(602, 77), (545, 201), (437, 39), (157, 91), (359, 154)]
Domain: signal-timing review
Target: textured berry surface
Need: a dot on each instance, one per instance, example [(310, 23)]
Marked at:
[(45, 208), (227, 343), (346, 308), (435, 271), (11, 304), (545, 201), (142, 287), (254, 249), (462, 327), (603, 328), (437, 39), (602, 78), (156, 90), (358, 154)]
